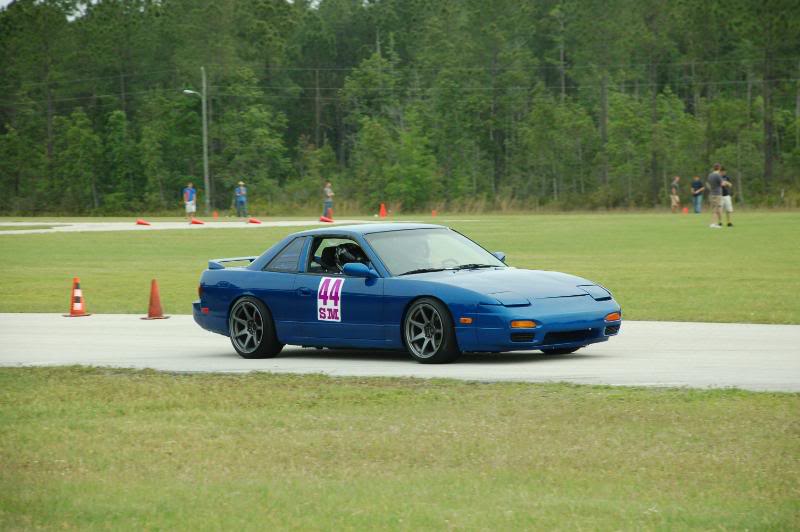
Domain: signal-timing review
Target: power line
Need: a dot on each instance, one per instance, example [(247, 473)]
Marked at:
[(407, 68)]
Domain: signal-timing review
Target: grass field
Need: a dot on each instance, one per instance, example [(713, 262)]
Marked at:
[(116, 449), (659, 266)]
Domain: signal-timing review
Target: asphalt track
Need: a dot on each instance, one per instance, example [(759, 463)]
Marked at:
[(696, 355)]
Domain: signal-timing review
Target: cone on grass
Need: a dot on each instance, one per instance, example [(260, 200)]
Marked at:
[(434, 213), (686, 210), (140, 221), (77, 304), (216, 215), (252, 220), (196, 221), (154, 310), (382, 212), (326, 219)]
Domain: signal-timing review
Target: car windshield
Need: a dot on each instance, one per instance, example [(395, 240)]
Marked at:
[(420, 250)]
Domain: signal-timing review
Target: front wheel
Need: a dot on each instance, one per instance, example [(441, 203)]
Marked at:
[(428, 332), (251, 329), (562, 351)]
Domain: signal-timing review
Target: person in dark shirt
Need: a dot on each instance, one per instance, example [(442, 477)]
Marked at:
[(697, 194), (727, 195), (714, 186)]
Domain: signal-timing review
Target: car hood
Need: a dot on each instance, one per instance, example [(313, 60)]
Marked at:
[(510, 285)]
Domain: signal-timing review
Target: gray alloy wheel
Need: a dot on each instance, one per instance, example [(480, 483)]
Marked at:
[(428, 332), (251, 330)]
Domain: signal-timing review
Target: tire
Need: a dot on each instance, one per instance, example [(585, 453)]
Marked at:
[(251, 329), (560, 351), (428, 332)]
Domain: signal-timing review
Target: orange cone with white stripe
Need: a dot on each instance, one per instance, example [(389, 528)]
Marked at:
[(77, 304)]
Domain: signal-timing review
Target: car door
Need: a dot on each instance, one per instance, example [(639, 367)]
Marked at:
[(275, 286), (336, 307)]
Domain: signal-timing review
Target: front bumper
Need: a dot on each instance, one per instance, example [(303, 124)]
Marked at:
[(561, 323)]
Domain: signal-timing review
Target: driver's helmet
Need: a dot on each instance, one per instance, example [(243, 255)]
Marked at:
[(349, 252)]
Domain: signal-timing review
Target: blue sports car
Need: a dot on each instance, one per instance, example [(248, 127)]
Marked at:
[(424, 288)]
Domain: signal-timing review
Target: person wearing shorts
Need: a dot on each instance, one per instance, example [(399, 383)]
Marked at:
[(727, 196), (190, 200), (674, 194), (327, 200), (714, 186)]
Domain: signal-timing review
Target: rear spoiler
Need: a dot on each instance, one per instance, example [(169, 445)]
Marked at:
[(219, 264)]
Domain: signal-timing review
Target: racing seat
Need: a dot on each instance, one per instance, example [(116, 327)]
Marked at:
[(328, 260)]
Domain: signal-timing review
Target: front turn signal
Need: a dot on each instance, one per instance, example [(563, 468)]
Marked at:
[(614, 316), (465, 321), (523, 324)]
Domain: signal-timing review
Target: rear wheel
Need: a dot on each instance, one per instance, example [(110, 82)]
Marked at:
[(428, 332), (561, 351), (251, 329)]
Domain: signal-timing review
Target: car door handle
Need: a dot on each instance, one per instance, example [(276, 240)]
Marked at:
[(303, 291)]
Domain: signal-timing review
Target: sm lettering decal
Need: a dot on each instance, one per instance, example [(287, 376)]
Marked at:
[(329, 299)]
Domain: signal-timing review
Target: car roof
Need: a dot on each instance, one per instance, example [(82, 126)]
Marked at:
[(363, 229)]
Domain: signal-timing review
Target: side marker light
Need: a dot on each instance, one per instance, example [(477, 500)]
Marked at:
[(465, 321), (523, 324), (204, 310)]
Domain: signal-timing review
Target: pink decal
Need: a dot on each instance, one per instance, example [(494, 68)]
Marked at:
[(329, 299)]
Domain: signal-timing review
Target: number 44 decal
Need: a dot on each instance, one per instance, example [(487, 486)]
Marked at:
[(329, 299)]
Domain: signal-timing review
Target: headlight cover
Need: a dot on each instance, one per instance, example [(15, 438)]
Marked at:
[(598, 293)]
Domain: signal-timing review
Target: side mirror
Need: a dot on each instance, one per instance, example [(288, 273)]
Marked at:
[(500, 255), (356, 269)]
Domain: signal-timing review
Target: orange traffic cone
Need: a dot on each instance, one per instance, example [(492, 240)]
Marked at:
[(139, 221), (155, 312), (382, 212), (686, 210), (253, 221), (216, 215), (433, 213), (196, 221), (77, 305), (326, 219)]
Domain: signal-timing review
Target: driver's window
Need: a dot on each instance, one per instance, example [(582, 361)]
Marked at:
[(329, 255)]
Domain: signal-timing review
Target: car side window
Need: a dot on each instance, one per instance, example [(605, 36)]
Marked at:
[(329, 255), (288, 259)]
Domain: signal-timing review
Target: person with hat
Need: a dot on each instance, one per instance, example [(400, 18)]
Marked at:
[(241, 200)]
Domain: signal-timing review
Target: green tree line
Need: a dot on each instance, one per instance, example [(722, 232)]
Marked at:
[(459, 104)]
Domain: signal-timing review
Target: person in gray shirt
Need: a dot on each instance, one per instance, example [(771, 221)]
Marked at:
[(714, 187)]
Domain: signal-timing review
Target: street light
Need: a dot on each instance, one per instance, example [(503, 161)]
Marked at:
[(206, 182)]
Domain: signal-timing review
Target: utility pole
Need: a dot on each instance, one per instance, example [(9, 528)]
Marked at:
[(203, 99)]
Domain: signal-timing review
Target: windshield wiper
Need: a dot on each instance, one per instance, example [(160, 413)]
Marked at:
[(474, 266), (424, 270)]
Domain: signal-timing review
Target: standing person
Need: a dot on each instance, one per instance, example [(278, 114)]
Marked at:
[(714, 185), (697, 194), (727, 195), (327, 200), (674, 194), (241, 200), (190, 200)]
